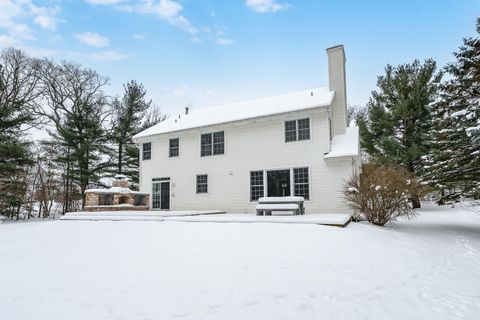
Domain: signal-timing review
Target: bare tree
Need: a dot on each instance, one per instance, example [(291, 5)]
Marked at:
[(76, 106)]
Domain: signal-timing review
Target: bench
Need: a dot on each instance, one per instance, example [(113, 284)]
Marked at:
[(266, 205)]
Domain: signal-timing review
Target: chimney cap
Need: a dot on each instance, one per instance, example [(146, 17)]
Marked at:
[(338, 46), (121, 177)]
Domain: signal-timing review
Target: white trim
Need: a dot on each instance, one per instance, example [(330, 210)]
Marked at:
[(292, 181), (168, 149), (160, 199), (208, 185), (213, 155), (310, 123)]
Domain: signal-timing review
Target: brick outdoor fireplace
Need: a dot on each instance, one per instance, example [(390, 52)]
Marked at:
[(118, 197)]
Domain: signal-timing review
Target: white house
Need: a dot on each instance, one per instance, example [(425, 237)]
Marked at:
[(226, 157)]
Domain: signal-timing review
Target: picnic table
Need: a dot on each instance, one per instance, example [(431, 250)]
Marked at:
[(266, 205)]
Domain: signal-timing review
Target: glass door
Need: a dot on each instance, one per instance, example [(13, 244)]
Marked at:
[(156, 195), (278, 182)]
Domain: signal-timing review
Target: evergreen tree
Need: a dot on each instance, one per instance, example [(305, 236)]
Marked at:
[(78, 109), (396, 124), (128, 113), (453, 165), (18, 94)]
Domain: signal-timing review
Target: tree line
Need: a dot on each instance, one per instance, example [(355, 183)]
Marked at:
[(89, 134), (428, 126)]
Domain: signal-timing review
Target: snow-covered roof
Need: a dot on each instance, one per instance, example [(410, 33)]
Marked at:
[(345, 145), (201, 117), (114, 190)]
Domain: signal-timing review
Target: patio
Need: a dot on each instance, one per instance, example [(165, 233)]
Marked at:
[(217, 216)]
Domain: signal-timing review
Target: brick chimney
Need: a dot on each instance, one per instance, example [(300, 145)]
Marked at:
[(120, 181), (337, 83)]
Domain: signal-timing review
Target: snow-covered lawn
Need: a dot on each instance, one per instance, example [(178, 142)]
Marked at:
[(428, 268)]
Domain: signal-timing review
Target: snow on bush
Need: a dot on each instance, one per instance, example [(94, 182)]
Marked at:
[(381, 193)]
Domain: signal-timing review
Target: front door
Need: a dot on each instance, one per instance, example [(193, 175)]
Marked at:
[(161, 195), (278, 182)]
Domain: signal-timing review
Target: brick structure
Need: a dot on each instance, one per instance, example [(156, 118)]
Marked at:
[(118, 197)]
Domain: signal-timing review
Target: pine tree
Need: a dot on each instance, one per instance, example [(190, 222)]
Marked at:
[(128, 113), (78, 109), (453, 165), (394, 128), (18, 94)]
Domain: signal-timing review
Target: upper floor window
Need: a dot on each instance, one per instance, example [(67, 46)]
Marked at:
[(297, 130), (147, 151), (212, 143), (174, 148), (202, 183)]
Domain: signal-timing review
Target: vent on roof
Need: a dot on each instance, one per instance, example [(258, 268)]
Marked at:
[(311, 93), (186, 110)]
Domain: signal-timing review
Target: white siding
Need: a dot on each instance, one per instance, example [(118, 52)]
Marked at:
[(251, 145)]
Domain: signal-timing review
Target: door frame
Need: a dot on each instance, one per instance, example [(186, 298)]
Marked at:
[(160, 181), (290, 173)]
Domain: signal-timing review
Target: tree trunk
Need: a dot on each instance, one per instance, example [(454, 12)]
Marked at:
[(120, 156), (415, 202)]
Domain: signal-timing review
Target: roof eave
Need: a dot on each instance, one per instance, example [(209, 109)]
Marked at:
[(138, 137)]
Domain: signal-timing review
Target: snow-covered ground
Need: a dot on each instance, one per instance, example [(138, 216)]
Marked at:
[(428, 268)]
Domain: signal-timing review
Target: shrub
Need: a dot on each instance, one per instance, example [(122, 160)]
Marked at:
[(381, 193)]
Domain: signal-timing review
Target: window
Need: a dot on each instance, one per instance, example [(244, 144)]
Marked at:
[(256, 185), (160, 179), (147, 151), (218, 143), (174, 148), (300, 182), (202, 183), (290, 131), (297, 130), (303, 129), (212, 143), (206, 140)]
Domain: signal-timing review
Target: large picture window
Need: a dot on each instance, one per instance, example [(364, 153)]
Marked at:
[(174, 148), (256, 185), (202, 183), (300, 182), (147, 151), (212, 143), (297, 130)]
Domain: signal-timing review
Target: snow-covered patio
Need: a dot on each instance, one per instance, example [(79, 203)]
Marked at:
[(334, 219), (422, 269)]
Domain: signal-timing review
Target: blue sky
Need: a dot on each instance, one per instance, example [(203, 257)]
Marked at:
[(209, 52)]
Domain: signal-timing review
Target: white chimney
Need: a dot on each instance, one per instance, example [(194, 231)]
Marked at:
[(337, 83)]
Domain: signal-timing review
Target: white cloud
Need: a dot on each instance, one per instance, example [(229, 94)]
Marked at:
[(187, 91), (16, 15), (45, 17), (139, 36), (167, 10), (108, 56), (8, 41), (266, 5), (92, 39), (224, 41), (104, 2)]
